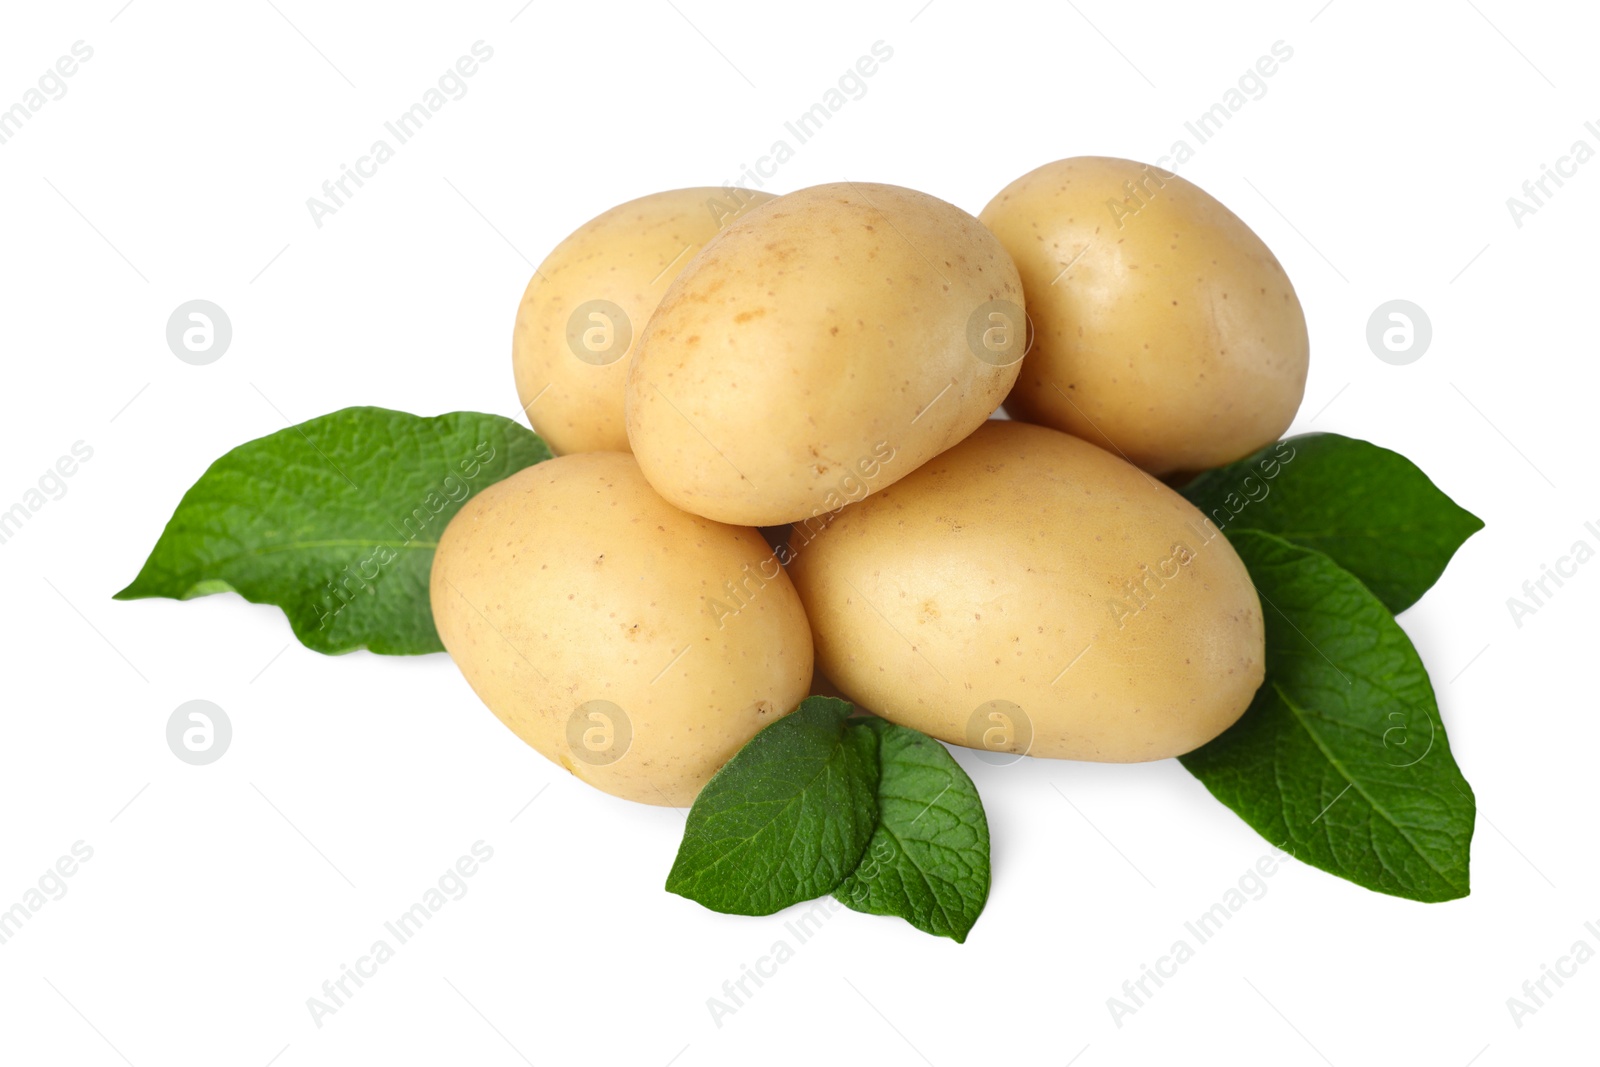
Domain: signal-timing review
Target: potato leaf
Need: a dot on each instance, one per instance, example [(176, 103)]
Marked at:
[(335, 521), (928, 861), (1369, 509), (786, 819), (1342, 758)]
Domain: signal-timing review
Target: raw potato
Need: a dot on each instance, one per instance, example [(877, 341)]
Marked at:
[(1029, 592), (570, 352), (1165, 330), (821, 348), (637, 646)]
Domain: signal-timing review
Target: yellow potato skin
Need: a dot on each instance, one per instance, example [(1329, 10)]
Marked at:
[(1164, 329), (572, 581), (1002, 571), (628, 256), (818, 334)]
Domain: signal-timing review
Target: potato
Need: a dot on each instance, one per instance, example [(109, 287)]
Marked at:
[(1028, 592), (1164, 330), (637, 646), (821, 348), (585, 306)]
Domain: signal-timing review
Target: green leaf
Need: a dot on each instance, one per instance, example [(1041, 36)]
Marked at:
[(1342, 758), (786, 819), (928, 861), (1369, 509), (335, 521)]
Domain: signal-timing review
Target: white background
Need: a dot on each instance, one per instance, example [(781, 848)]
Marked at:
[(219, 898)]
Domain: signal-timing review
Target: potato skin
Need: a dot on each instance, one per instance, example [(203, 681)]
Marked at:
[(628, 256), (572, 582), (1164, 329), (1007, 569), (822, 332)]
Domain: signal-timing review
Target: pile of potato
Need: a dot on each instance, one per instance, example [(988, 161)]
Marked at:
[(777, 469)]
